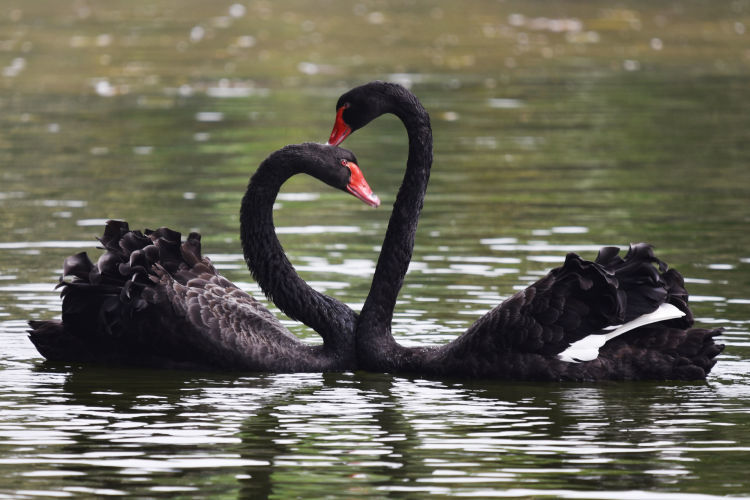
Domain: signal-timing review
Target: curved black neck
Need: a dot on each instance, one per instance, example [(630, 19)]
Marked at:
[(376, 348), (265, 257)]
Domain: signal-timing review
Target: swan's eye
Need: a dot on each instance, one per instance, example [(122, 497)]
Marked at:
[(343, 109), (345, 163)]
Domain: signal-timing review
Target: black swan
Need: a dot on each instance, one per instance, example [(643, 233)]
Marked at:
[(566, 326), (151, 300)]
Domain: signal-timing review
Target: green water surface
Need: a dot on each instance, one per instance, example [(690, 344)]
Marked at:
[(559, 126)]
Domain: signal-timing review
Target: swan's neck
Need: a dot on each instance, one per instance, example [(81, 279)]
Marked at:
[(276, 276), (376, 347)]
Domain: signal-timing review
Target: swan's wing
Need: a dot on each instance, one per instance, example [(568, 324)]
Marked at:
[(587, 349), (576, 300), (225, 323), (152, 300), (657, 352)]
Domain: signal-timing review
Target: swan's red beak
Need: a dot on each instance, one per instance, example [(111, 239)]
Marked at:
[(358, 186), (340, 129)]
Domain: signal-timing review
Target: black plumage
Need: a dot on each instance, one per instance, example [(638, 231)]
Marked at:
[(152, 299), (523, 337)]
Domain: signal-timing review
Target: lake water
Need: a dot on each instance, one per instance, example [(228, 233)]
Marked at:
[(559, 126)]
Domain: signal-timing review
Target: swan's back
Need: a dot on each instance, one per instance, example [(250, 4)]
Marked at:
[(523, 337), (153, 300)]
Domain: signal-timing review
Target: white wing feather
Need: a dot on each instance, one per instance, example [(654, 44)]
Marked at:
[(587, 349)]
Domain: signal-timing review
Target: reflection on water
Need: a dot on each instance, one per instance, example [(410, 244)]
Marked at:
[(558, 127), (368, 434)]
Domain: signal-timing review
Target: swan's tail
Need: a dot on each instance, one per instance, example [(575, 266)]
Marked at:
[(100, 299), (52, 342)]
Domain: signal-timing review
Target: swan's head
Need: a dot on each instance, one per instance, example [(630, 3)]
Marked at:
[(359, 106), (338, 168)]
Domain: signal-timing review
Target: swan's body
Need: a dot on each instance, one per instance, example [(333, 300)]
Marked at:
[(527, 336), (152, 300)]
